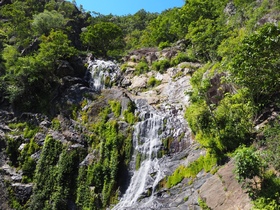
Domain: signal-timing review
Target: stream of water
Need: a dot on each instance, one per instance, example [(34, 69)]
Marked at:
[(103, 73), (146, 143)]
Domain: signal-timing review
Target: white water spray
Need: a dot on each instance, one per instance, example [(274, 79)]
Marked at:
[(103, 73), (147, 142)]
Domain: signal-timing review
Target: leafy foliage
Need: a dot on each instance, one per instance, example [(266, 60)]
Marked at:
[(161, 65), (116, 108), (54, 47), (224, 127), (98, 182), (103, 37), (46, 21), (55, 176), (179, 58), (256, 64), (271, 141), (165, 28), (268, 196), (248, 164), (152, 81), (205, 36), (36, 73), (206, 162), (141, 68)]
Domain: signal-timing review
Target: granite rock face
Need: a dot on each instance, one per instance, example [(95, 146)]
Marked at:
[(222, 191), (161, 127)]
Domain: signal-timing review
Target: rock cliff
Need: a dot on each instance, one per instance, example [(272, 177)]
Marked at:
[(161, 138)]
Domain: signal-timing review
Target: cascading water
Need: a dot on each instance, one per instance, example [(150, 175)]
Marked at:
[(156, 124), (146, 142), (103, 73)]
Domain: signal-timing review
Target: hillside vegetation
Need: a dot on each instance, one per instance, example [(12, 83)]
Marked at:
[(234, 101)]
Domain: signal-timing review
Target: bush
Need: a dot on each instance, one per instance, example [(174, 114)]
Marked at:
[(56, 124), (248, 164), (141, 68), (161, 65), (223, 127), (203, 204), (30, 131), (129, 117), (28, 170), (272, 135), (128, 114), (203, 162), (152, 82), (256, 64), (116, 107), (12, 149), (163, 45), (181, 57), (263, 203)]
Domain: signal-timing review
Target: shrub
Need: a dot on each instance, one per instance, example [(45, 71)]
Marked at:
[(30, 131), (163, 45), (256, 64), (56, 124), (248, 164), (268, 194), (203, 204), (116, 107), (161, 65), (28, 170), (141, 68), (129, 117), (152, 82), (128, 114), (181, 57), (12, 149), (272, 135), (203, 162), (124, 67)]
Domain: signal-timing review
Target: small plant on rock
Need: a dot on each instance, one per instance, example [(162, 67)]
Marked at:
[(152, 82), (249, 166), (141, 68)]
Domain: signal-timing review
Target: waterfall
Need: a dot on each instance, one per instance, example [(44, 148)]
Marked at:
[(166, 121), (146, 142), (103, 73)]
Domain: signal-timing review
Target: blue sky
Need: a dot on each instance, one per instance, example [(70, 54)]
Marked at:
[(124, 7)]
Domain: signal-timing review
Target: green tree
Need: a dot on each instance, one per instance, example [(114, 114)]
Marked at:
[(233, 119), (248, 164), (205, 36), (17, 28), (256, 65), (31, 79), (166, 27), (46, 21), (54, 47), (103, 37)]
